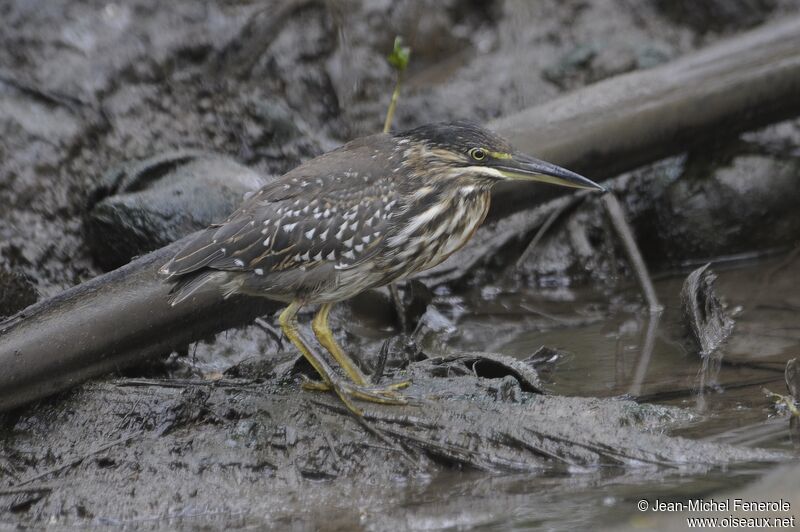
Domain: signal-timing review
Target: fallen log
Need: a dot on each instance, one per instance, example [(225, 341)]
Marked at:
[(621, 123), (612, 126), (106, 324)]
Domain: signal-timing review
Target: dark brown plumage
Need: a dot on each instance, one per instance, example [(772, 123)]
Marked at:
[(378, 209)]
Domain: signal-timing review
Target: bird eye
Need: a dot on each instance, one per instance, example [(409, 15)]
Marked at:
[(478, 154)]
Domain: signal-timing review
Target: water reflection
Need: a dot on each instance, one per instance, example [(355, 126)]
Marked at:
[(645, 353), (616, 349)]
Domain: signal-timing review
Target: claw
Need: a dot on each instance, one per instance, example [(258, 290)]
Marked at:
[(314, 386), (401, 385), (383, 397)]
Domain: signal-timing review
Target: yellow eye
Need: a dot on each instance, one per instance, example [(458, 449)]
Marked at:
[(478, 154)]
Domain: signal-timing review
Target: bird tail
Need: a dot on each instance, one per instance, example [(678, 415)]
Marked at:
[(226, 283)]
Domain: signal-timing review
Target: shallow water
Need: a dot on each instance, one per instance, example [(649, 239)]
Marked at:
[(601, 343)]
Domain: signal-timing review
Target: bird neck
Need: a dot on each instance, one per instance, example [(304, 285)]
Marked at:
[(433, 226), (434, 209)]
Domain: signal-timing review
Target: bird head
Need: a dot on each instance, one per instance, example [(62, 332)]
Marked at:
[(464, 149)]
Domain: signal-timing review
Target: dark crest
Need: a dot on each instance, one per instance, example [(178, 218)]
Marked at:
[(460, 135)]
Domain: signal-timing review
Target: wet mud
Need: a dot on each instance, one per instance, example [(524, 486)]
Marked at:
[(220, 435)]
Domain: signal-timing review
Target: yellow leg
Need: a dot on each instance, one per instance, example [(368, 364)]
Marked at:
[(323, 333), (325, 336), (288, 322)]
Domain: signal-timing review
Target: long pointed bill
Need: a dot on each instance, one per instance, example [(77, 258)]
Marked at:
[(525, 168)]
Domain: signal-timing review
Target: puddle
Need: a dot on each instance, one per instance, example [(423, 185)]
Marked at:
[(604, 357)]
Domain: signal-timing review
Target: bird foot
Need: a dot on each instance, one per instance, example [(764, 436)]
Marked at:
[(385, 395), (389, 389)]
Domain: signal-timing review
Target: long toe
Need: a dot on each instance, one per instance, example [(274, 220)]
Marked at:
[(315, 386), (348, 391), (388, 390), (374, 394), (399, 385)]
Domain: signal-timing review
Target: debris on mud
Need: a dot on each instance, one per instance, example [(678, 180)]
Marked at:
[(485, 365), (704, 314), (790, 402), (106, 450)]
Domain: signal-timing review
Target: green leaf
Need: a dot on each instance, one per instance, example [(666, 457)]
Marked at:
[(400, 55)]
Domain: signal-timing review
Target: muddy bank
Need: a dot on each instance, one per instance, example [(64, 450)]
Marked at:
[(84, 87), (238, 452)]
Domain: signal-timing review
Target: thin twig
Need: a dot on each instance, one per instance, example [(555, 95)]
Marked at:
[(241, 385), (399, 60), (328, 438), (78, 460), (387, 125), (127, 415), (331, 446), (378, 433), (623, 229), (26, 489), (399, 309), (271, 332), (555, 215), (377, 375)]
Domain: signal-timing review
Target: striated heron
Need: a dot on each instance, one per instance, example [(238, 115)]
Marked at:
[(378, 209)]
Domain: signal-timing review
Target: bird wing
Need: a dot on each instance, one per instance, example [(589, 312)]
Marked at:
[(309, 216)]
